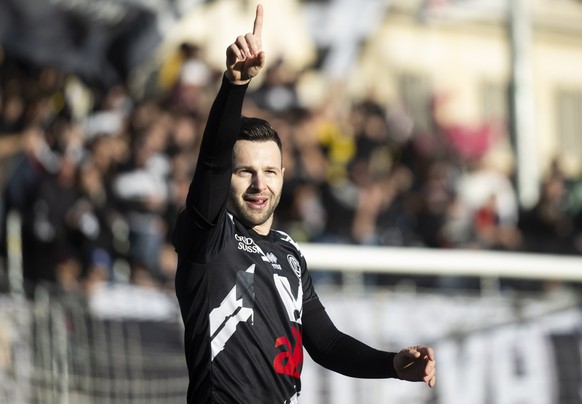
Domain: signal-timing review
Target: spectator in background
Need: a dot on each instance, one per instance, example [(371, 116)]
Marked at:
[(548, 227), (49, 253), (574, 205), (11, 145), (110, 114), (339, 194), (98, 272), (277, 93), (181, 148), (141, 192), (187, 77), (302, 212), (12, 117), (92, 216), (438, 193)]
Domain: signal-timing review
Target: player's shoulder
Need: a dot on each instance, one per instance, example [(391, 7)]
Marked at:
[(287, 239)]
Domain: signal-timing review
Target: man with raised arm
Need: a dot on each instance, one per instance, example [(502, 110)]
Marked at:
[(245, 293)]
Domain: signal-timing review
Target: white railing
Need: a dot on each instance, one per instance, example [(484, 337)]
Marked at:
[(357, 259), (422, 261)]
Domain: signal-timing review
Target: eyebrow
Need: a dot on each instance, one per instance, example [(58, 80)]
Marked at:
[(252, 168)]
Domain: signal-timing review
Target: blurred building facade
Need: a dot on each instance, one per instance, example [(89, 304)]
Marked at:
[(462, 52)]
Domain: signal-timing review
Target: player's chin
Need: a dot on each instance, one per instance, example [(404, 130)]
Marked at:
[(254, 217)]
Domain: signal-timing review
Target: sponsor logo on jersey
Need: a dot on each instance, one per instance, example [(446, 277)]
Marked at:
[(247, 244), (273, 260), (290, 360)]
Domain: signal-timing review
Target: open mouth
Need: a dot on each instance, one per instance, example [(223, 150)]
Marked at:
[(256, 202)]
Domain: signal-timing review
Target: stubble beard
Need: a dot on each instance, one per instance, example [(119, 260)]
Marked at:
[(248, 216)]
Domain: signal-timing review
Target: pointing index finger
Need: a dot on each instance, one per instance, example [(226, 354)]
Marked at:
[(258, 25)]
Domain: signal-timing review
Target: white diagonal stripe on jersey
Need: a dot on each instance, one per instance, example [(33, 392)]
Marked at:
[(225, 318)]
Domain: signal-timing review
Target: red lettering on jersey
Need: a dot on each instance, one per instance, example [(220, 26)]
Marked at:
[(289, 361)]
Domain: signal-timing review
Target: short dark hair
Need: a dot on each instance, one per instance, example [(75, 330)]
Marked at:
[(258, 130)]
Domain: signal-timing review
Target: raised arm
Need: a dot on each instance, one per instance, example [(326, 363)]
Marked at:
[(209, 188)]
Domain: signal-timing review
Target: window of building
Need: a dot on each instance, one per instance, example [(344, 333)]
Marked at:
[(569, 122), (494, 103), (415, 92)]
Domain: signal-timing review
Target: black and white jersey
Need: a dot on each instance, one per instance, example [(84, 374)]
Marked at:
[(241, 294), (242, 308)]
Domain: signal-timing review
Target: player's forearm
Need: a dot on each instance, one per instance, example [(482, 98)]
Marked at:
[(339, 352)]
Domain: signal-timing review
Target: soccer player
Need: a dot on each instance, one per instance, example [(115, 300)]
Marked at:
[(246, 297)]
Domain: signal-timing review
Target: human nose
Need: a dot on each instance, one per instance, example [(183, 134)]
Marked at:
[(258, 182)]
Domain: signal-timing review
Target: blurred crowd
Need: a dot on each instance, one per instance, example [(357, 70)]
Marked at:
[(99, 175)]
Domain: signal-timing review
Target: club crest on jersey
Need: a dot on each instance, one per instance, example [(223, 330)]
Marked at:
[(247, 244), (273, 260), (294, 265)]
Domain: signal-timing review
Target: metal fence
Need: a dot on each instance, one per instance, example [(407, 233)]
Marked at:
[(55, 349)]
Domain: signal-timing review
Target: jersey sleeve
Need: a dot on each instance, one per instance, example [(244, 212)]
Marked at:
[(309, 293), (208, 190), (339, 352)]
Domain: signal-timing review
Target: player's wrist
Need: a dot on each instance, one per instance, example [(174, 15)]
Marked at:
[(235, 80)]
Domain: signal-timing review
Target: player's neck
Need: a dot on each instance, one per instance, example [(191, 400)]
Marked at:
[(264, 228)]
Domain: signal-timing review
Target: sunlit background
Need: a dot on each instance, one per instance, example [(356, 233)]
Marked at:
[(433, 154)]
